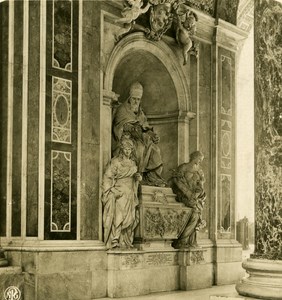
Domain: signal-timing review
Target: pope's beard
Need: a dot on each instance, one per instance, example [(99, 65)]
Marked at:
[(134, 108)]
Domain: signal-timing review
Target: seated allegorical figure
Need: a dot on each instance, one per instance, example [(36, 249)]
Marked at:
[(119, 198), (187, 183), (130, 120)]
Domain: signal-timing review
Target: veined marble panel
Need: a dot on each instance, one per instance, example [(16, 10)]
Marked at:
[(226, 85), (268, 133), (225, 204), (60, 191), (62, 34), (206, 6)]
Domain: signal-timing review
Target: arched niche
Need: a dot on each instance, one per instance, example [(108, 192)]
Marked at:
[(165, 99), (159, 93)]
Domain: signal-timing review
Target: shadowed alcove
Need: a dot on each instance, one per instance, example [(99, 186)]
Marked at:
[(159, 100)]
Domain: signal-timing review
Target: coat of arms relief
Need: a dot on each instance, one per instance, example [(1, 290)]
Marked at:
[(161, 15)]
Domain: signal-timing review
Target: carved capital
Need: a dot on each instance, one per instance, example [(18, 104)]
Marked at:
[(186, 116), (109, 97)]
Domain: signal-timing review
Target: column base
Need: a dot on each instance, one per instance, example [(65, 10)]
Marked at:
[(264, 280)]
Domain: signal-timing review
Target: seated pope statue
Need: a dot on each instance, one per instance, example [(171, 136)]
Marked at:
[(130, 120)]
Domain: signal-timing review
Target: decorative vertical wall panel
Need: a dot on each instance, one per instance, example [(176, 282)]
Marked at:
[(4, 13), (226, 200), (225, 207), (61, 110), (33, 119), (60, 191), (62, 35), (17, 120), (226, 141), (61, 120), (226, 87)]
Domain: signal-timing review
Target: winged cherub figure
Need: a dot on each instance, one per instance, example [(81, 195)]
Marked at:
[(186, 28), (133, 9)]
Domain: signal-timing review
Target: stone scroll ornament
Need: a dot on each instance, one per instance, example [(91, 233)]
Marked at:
[(161, 16)]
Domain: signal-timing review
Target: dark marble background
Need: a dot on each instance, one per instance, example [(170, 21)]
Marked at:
[(268, 129)]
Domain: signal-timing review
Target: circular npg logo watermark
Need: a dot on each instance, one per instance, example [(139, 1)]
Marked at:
[(12, 293)]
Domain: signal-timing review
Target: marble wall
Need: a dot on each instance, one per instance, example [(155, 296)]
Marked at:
[(64, 102), (268, 130)]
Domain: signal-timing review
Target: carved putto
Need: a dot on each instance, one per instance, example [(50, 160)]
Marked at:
[(162, 15), (186, 29), (132, 10)]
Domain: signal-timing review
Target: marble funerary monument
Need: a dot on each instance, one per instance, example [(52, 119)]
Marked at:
[(118, 146)]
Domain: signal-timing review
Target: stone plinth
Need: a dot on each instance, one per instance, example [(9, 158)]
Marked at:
[(53, 272), (195, 270), (264, 280), (133, 273), (162, 219), (228, 263)]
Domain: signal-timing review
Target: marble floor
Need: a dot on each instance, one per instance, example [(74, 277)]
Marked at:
[(225, 292)]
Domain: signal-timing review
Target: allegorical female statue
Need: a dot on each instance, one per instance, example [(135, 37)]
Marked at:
[(187, 183), (119, 198)]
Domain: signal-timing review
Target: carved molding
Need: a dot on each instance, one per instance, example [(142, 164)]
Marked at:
[(171, 117), (109, 97)]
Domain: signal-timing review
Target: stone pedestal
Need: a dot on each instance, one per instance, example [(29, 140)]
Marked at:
[(162, 219), (228, 263), (195, 271), (133, 273), (264, 280)]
